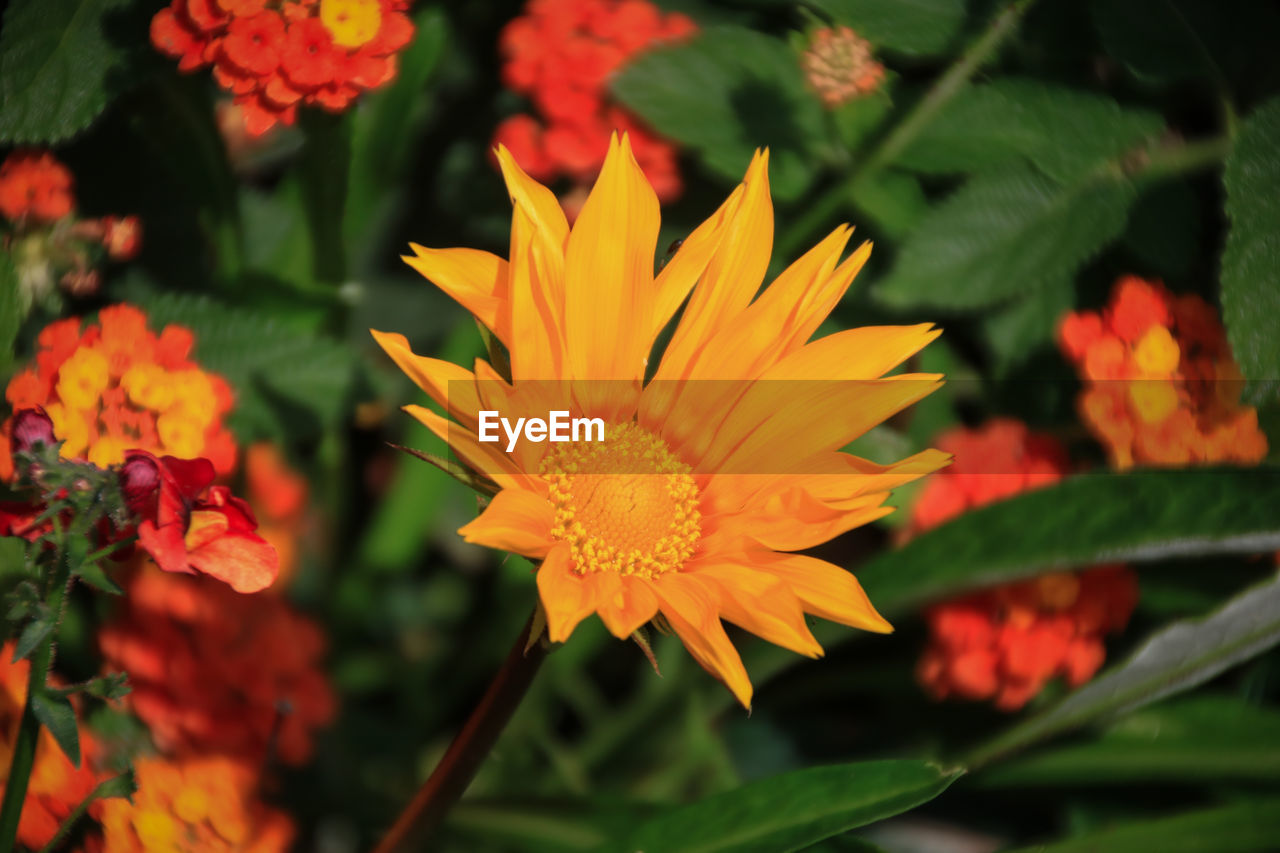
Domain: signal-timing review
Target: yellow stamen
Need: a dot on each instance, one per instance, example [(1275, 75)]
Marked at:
[(625, 504)]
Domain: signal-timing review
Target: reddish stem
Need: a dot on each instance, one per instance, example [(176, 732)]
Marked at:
[(428, 808)]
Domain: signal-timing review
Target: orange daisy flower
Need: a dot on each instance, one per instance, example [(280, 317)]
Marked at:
[(709, 475)]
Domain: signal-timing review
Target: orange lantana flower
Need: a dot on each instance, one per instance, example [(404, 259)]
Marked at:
[(204, 804), (216, 671), (117, 385), (712, 473)]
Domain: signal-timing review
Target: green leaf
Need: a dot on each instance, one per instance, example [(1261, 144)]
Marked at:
[(1177, 658), (61, 61), (56, 714), (724, 94), (793, 810), (1251, 259), (911, 27), (1085, 520), (287, 380), (538, 825), (34, 632), (1165, 228), (894, 201), (1064, 132), (1004, 234), (1196, 739), (1239, 827), (94, 575)]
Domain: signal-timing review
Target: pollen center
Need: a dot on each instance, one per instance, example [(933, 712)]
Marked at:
[(625, 504)]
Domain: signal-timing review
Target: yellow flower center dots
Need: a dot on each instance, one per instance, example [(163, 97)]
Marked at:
[(83, 378), (352, 23), (625, 504), (1157, 354)]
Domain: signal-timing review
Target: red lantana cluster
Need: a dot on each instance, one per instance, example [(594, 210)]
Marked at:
[(561, 53), (214, 672), (273, 55), (840, 66), (1007, 643), (1161, 387), (47, 242)]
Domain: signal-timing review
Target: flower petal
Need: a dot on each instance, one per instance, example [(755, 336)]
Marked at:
[(566, 597), (515, 520), (244, 561), (624, 602), (450, 385), (609, 272), (692, 609), (474, 279), (762, 604), (824, 589)]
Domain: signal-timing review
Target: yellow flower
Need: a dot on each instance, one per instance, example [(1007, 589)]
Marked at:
[(711, 472)]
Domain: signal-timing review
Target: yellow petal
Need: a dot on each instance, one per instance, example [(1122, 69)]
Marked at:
[(450, 385), (761, 604), (692, 610), (863, 353), (476, 280), (732, 278), (537, 347), (565, 596), (609, 272), (516, 521), (623, 602), (824, 590), (690, 261), (487, 459)]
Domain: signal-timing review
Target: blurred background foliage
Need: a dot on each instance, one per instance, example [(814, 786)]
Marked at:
[(1017, 159)]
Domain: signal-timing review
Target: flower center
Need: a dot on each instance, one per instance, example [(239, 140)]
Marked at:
[(352, 23), (625, 504)]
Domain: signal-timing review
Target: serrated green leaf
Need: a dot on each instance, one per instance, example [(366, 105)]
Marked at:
[(1177, 658), (1085, 520), (34, 632), (791, 811), (56, 714), (725, 93), (1251, 259), (1064, 132), (910, 27), (1197, 739), (287, 381), (1239, 828), (894, 201), (61, 61), (1002, 235)]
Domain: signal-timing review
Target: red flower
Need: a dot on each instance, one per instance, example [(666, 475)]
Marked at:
[(309, 58), (35, 184), (190, 526), (253, 43), (122, 236)]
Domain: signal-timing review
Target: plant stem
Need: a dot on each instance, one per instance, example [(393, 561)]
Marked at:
[(427, 810), (1184, 157), (24, 748), (951, 82)]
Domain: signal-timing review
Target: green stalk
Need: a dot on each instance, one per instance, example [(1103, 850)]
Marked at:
[(947, 86), (24, 749)]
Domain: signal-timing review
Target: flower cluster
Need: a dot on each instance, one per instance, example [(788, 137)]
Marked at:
[(273, 56), (1007, 643), (204, 804), (561, 53), (213, 671), (840, 66), (1161, 387), (47, 242), (57, 786), (116, 385)]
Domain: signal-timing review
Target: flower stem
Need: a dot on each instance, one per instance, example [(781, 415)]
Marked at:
[(951, 82), (24, 748), (427, 810)]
